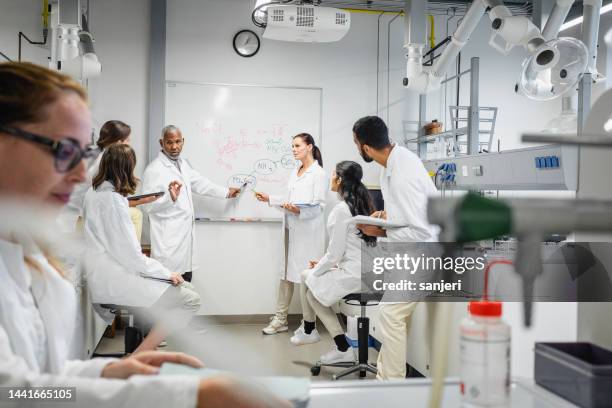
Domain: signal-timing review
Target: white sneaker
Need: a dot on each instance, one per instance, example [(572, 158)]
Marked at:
[(337, 356), (276, 326), (300, 337)]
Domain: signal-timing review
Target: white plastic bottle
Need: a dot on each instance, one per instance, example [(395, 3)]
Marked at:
[(485, 357)]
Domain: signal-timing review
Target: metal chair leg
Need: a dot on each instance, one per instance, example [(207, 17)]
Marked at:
[(362, 368)]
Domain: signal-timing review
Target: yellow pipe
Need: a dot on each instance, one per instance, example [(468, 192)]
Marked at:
[(45, 14), (432, 35), (372, 11)]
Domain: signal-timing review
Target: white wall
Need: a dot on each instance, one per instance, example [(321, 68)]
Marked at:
[(121, 31), (199, 48), (21, 15)]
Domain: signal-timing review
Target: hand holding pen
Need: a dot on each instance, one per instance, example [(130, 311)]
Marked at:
[(262, 197)]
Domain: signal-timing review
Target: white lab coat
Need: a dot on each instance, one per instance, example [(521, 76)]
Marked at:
[(304, 234), (115, 264), (70, 213), (406, 186), (338, 273), (172, 232), (32, 355)]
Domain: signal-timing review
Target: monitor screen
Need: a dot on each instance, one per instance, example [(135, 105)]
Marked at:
[(377, 198)]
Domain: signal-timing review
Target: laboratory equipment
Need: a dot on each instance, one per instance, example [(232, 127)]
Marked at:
[(553, 67), (300, 21), (473, 218), (485, 356), (72, 44), (550, 167)]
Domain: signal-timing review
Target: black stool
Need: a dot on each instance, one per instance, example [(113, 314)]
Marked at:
[(133, 335), (363, 337)]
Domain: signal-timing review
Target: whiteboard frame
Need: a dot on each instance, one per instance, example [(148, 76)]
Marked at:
[(153, 142)]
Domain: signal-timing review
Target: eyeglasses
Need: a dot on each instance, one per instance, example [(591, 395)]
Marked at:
[(66, 152)]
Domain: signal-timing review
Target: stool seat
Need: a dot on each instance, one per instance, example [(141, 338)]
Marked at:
[(363, 297)]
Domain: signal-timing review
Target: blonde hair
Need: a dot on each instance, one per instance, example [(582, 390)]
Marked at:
[(54, 262), (26, 90)]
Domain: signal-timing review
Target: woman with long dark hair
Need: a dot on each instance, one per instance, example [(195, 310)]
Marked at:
[(303, 222), (338, 273), (117, 270)]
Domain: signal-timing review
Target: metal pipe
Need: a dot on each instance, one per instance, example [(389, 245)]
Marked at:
[(458, 89), (473, 128), (407, 21), (4, 55), (460, 37), (455, 76), (86, 41), (590, 30), (539, 215), (389, 61), (378, 62), (569, 139), (556, 19)]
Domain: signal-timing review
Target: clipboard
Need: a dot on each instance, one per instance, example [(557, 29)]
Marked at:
[(380, 222), (158, 279), (306, 205)]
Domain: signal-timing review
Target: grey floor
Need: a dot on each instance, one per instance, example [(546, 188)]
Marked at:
[(243, 349)]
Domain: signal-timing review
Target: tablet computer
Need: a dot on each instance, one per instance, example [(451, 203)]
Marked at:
[(138, 197)]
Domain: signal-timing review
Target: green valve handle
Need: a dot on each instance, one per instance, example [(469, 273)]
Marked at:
[(481, 218)]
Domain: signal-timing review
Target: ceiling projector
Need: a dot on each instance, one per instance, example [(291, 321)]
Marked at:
[(306, 23)]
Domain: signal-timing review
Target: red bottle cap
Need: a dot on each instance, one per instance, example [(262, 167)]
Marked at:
[(484, 308)]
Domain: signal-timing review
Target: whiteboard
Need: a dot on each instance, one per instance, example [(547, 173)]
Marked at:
[(241, 133)]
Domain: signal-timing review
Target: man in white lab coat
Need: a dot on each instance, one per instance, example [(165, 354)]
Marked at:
[(172, 217), (405, 186)]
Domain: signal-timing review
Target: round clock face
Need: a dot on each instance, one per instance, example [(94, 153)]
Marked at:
[(246, 43)]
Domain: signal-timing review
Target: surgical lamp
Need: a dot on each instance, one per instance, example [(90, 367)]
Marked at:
[(553, 67)]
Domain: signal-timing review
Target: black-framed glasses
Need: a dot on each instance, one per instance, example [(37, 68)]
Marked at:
[(66, 152)]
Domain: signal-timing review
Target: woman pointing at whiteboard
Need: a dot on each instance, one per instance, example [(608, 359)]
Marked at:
[(303, 222)]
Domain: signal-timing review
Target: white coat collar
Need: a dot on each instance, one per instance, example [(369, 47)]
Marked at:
[(166, 160), (105, 186), (309, 170), (391, 160), (12, 255), (54, 298)]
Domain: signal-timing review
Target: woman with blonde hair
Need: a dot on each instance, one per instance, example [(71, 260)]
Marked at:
[(44, 128)]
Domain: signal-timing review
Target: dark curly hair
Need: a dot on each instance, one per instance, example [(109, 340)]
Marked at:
[(354, 193)]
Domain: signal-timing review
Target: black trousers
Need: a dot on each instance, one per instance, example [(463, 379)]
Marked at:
[(187, 276)]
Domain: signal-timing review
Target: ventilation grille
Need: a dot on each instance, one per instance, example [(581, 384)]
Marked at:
[(278, 15), (305, 17), (341, 19)]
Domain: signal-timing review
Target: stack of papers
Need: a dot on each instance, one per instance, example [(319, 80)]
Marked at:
[(380, 222)]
